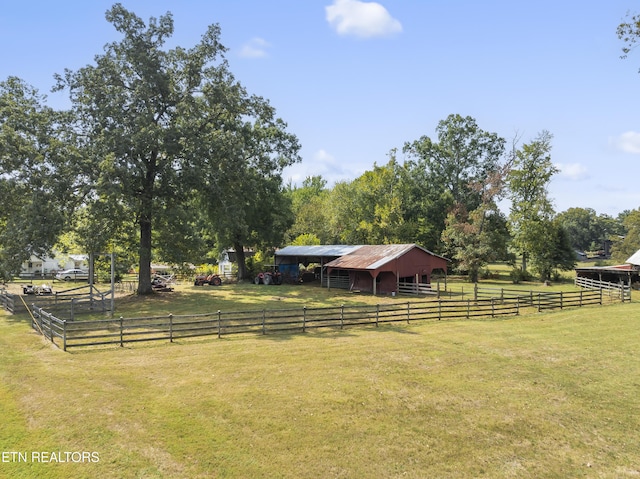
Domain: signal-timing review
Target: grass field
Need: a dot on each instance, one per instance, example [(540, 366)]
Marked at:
[(543, 395)]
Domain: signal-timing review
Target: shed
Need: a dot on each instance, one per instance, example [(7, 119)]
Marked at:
[(382, 268), (628, 273), (289, 258)]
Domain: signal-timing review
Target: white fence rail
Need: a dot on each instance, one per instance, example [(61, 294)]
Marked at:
[(619, 290)]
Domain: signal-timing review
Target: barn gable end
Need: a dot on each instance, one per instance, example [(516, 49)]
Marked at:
[(379, 268)]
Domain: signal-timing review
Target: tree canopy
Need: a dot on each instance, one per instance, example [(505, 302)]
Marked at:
[(164, 129), (37, 187)]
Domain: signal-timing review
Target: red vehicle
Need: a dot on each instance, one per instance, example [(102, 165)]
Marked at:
[(273, 276), (212, 279)]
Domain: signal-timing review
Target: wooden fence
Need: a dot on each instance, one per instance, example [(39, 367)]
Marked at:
[(121, 331), (65, 304), (7, 301), (416, 289), (618, 290)]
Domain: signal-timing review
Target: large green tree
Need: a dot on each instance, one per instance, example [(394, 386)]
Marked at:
[(37, 187), (159, 125), (371, 208), (536, 235), (443, 173), (474, 238), (309, 203), (586, 229), (244, 196), (463, 155)]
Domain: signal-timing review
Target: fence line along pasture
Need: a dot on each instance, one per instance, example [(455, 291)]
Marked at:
[(7, 301), (121, 331), (622, 290)]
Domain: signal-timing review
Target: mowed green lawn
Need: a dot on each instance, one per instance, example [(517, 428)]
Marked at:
[(542, 395)]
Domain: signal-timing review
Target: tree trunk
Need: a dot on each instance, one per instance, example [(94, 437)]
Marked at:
[(146, 215), (144, 268), (240, 258), (473, 275)]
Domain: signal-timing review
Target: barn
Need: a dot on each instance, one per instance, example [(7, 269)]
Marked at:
[(628, 273), (378, 269), (290, 258), (384, 268)]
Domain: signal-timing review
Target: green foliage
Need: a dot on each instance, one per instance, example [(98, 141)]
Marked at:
[(624, 247), (533, 231), (554, 252), (463, 155), (371, 208), (467, 241), (37, 188), (629, 33), (588, 230), (310, 207), (169, 130), (518, 275), (308, 239)]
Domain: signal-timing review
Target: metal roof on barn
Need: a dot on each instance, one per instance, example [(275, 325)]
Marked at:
[(372, 257), (320, 251)]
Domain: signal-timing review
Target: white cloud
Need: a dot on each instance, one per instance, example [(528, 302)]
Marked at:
[(573, 171), (362, 19), (255, 48), (628, 142), (324, 164)]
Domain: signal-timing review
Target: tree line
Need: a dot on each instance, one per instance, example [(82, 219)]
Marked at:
[(448, 194), (164, 155)]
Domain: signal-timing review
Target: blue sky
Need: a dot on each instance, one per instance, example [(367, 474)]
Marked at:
[(355, 79)]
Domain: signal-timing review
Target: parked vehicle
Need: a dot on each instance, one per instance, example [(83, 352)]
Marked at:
[(162, 282), (212, 279), (37, 290), (72, 275), (271, 276)]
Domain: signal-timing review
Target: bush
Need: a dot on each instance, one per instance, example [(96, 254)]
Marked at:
[(517, 275)]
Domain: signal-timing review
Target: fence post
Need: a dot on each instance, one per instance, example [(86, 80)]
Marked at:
[(50, 327), (539, 298), (468, 308), (439, 309), (170, 327), (341, 316), (581, 298), (600, 296), (64, 335), (408, 311), (377, 314), (304, 319), (121, 332), (561, 300), (264, 322), (517, 305), (219, 323)]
